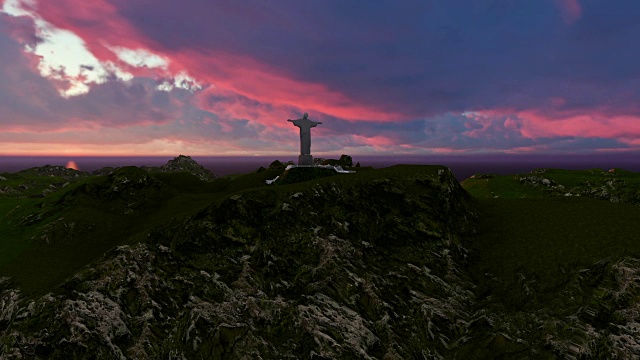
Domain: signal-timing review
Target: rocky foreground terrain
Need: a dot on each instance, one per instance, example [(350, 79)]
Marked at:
[(375, 265)]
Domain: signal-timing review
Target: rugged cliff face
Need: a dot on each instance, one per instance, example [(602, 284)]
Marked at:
[(368, 266)]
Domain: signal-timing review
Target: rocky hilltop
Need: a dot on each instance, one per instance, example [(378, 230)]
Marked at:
[(183, 163), (394, 263), (296, 272), (42, 181), (38, 181)]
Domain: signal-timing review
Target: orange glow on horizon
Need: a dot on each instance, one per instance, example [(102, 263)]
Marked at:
[(72, 165)]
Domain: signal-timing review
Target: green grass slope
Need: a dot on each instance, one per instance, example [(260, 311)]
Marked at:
[(614, 185), (545, 239), (45, 240), (554, 203), (551, 221), (546, 254), (54, 221)]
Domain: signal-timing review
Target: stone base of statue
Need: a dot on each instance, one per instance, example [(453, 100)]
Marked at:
[(305, 160)]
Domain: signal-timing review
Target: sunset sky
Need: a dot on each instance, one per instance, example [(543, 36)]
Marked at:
[(203, 77)]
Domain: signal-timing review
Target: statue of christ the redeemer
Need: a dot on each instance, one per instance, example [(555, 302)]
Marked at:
[(305, 126)]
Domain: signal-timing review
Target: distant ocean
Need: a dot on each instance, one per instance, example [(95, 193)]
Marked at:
[(461, 166)]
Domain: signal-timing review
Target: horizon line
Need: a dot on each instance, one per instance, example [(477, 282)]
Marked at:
[(324, 155)]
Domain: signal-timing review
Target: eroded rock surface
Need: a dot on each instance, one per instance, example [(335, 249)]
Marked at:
[(317, 273)]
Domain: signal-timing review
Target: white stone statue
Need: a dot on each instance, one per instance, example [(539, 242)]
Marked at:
[(305, 126)]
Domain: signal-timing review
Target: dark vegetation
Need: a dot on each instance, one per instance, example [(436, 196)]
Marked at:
[(568, 219), (54, 221), (398, 262), (548, 252), (253, 265)]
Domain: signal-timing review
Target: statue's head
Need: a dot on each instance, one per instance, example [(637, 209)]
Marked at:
[(305, 116)]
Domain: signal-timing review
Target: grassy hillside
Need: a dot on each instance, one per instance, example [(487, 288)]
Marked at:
[(54, 221), (47, 239), (545, 256), (614, 185), (547, 238), (551, 221)]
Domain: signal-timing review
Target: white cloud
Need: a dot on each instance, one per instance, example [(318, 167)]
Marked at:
[(64, 56), (140, 58), (182, 81), (16, 8)]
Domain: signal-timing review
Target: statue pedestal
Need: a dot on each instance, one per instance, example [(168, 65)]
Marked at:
[(305, 160)]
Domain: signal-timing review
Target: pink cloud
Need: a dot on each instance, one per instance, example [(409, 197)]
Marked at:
[(96, 22), (537, 125), (570, 9), (447, 150), (233, 74), (244, 98), (593, 123), (100, 25), (511, 124), (229, 106), (32, 104), (478, 125)]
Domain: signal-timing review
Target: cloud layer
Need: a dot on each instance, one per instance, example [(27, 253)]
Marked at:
[(209, 78)]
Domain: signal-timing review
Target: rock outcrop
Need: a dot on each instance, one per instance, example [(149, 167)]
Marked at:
[(608, 185), (314, 272), (183, 163), (54, 171), (344, 161)]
